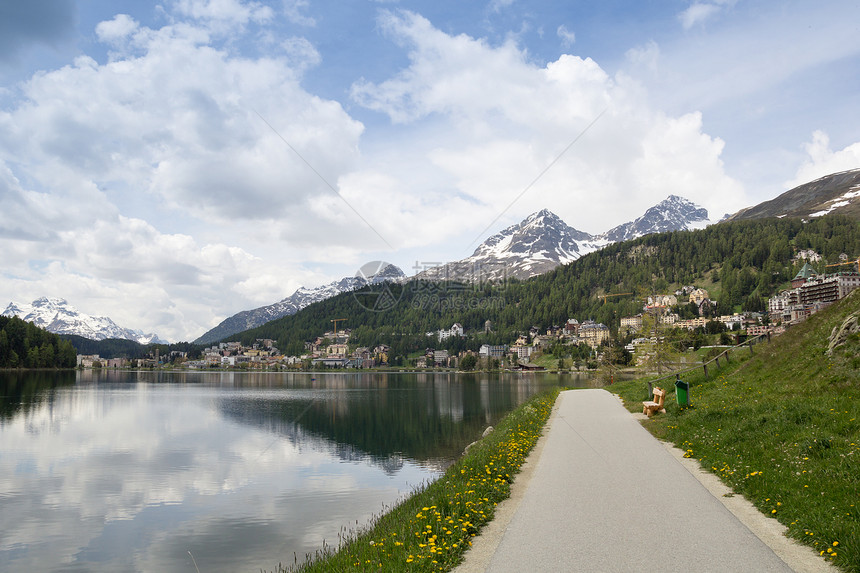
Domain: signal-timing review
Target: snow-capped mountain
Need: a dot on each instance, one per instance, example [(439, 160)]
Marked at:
[(672, 214), (371, 273), (58, 316), (538, 244), (542, 241), (835, 193)]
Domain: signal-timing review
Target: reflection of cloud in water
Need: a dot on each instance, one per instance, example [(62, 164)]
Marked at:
[(100, 477)]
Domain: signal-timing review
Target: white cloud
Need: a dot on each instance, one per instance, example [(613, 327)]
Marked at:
[(499, 5), (646, 56), (225, 12), (302, 54), (696, 14), (295, 12), (699, 12), (111, 31), (821, 160), (506, 119), (168, 130), (568, 38), (182, 123), (143, 279)]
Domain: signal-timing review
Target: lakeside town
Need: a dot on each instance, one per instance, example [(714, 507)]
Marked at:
[(809, 293)]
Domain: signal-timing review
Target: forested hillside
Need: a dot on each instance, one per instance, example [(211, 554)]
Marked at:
[(24, 345), (740, 263)]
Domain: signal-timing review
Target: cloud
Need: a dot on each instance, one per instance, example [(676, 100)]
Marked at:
[(568, 38), (112, 31), (35, 22), (182, 123), (295, 12), (216, 149), (224, 12), (646, 56), (144, 279), (301, 53), (699, 12), (821, 160), (499, 5), (504, 119), (183, 180)]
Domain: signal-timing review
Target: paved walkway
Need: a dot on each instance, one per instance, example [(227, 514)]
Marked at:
[(599, 493)]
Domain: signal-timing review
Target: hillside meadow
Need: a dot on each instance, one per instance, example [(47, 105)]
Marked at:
[(782, 428)]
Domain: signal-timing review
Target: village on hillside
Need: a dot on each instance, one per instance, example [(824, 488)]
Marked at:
[(809, 292)]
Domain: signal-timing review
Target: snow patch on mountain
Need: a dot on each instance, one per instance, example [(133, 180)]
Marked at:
[(534, 246), (542, 241), (371, 273), (672, 214), (58, 316)]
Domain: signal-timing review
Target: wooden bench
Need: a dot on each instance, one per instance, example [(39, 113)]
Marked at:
[(650, 407)]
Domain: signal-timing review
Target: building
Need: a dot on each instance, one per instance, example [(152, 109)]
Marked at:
[(492, 351), (455, 330), (522, 352), (571, 327), (805, 273), (808, 255), (668, 318), (733, 322), (663, 300), (631, 323), (331, 362), (440, 357), (87, 360), (692, 324), (828, 288), (699, 296), (781, 301), (337, 350), (593, 334)]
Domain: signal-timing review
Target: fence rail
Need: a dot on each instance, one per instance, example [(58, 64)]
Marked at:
[(749, 343)]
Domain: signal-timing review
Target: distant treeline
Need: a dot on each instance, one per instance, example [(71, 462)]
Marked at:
[(740, 263), (121, 348), (25, 345)]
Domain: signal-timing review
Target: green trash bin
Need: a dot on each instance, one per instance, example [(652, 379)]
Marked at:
[(682, 393)]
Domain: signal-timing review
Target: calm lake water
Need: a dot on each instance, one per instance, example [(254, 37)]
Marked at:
[(141, 471)]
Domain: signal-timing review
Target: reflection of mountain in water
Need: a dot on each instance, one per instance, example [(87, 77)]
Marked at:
[(280, 417), (427, 418)]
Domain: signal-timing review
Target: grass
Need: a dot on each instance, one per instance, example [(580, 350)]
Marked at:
[(782, 428), (432, 529)]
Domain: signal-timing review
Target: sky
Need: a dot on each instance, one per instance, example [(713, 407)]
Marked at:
[(168, 164)]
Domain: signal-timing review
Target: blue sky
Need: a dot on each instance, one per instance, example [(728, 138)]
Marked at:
[(169, 164)]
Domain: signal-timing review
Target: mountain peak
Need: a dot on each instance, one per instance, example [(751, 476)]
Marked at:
[(50, 301), (535, 245), (834, 193), (56, 315), (673, 213), (370, 273)]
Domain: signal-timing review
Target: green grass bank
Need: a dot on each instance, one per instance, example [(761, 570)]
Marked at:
[(781, 427), (432, 529)]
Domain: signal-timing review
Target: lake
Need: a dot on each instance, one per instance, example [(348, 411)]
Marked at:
[(159, 471)]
